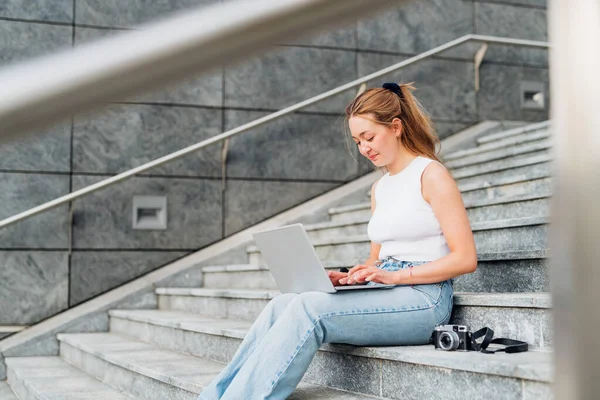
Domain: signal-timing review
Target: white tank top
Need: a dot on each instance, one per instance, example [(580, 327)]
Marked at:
[(403, 222)]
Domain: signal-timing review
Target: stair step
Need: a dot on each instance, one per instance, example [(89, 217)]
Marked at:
[(51, 378), (505, 177), (358, 226), (500, 165), (513, 132), (490, 236), (527, 322), (529, 205), (517, 271), (537, 205), (250, 276), (158, 374), (511, 271), (500, 154), (6, 392), (528, 180), (500, 144), (405, 372), (509, 190)]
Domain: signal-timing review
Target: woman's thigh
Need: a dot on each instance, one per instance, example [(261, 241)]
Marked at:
[(403, 315)]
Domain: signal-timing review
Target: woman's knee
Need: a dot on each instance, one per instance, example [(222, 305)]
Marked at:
[(313, 303), (280, 302)]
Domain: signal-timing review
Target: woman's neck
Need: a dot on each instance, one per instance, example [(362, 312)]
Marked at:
[(402, 161)]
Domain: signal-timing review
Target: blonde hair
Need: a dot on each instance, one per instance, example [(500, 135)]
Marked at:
[(418, 135)]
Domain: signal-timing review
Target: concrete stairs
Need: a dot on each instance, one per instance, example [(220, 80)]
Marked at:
[(174, 351)]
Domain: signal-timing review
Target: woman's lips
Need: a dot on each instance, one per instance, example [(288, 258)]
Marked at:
[(372, 158)]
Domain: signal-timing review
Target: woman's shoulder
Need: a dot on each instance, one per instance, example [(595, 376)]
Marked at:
[(435, 177), (426, 162)]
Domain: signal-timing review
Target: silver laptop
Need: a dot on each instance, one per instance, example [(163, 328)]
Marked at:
[(294, 263)]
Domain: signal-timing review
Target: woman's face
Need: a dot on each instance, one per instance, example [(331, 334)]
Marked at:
[(376, 142)]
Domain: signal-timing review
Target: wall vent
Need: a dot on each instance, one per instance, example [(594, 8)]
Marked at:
[(149, 213)]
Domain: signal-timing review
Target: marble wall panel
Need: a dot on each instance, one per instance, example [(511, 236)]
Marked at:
[(530, 3), (128, 135), (499, 97), (104, 219), (205, 90), (444, 87), (414, 27), (288, 75), (93, 273), (41, 10), (513, 22), (20, 192), (33, 285), (119, 13), (344, 37), (496, 53), (298, 146), (48, 149), (505, 20), (444, 129), (23, 40), (249, 202)]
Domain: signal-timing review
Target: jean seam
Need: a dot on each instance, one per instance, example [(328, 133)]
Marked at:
[(310, 332), (436, 301), (445, 316), (336, 314)]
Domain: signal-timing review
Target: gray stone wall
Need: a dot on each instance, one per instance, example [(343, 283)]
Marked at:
[(269, 170)]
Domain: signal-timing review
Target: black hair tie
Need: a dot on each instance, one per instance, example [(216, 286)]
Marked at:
[(393, 87)]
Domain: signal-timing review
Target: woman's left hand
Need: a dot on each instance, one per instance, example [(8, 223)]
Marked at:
[(369, 274)]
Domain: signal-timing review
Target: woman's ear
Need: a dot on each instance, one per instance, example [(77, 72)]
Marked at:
[(397, 127)]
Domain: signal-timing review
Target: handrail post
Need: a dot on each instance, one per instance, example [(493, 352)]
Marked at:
[(479, 55)]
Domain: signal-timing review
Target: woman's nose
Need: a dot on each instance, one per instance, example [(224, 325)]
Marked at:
[(364, 149)]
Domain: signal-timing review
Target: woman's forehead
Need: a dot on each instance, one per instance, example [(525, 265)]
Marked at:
[(360, 121)]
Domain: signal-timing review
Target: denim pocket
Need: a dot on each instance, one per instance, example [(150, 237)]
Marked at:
[(432, 291)]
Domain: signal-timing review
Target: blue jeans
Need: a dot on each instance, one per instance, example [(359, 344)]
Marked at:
[(287, 334)]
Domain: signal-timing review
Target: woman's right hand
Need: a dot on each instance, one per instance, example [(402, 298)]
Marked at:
[(335, 276), (351, 278)]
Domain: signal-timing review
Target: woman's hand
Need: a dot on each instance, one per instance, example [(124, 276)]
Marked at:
[(368, 273), (336, 276)]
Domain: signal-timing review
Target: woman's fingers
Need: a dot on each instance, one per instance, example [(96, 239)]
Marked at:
[(335, 276), (361, 274), (357, 274), (357, 268), (347, 280)]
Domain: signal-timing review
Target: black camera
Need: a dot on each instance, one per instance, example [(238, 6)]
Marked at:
[(452, 337)]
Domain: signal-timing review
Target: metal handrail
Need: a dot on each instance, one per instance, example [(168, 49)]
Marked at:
[(261, 121)]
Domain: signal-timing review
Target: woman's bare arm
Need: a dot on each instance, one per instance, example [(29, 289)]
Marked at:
[(375, 247), (440, 190)]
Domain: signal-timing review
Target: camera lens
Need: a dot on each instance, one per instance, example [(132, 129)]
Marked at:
[(448, 341)]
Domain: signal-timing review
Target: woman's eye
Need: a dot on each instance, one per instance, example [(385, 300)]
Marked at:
[(369, 139)]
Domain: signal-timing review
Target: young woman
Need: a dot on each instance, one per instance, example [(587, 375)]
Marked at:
[(420, 240)]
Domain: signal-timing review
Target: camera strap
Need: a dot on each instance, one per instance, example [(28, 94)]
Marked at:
[(512, 346)]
